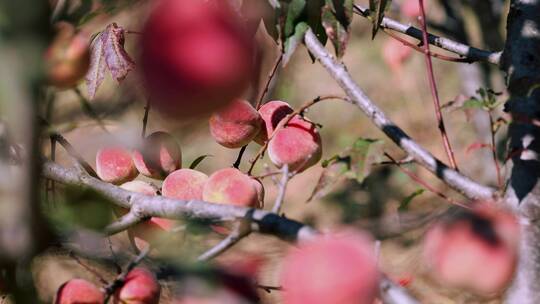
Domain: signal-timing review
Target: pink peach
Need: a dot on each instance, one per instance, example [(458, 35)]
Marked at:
[(334, 268), (184, 184), (235, 125), (159, 156), (231, 186), (140, 287), (272, 113), (79, 291), (114, 165)]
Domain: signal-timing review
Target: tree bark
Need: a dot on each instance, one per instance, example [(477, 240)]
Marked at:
[(521, 62)]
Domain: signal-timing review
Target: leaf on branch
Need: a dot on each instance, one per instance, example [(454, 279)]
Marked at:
[(314, 19), (294, 11), (404, 205), (107, 51), (335, 170), (198, 160), (118, 61), (292, 42), (364, 153), (377, 9), (336, 20)]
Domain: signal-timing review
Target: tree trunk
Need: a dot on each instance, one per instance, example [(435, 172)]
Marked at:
[(521, 62)]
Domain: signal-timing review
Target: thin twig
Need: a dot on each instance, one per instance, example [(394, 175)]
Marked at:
[(434, 91), (283, 123), (282, 189), (269, 80), (419, 49), (420, 181), (452, 46), (240, 230), (269, 289), (239, 157), (500, 182), (88, 268), (89, 110), (145, 119), (123, 223)]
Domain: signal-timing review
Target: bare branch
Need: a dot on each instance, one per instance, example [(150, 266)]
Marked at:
[(282, 189), (452, 178), (123, 223), (240, 231), (455, 47)]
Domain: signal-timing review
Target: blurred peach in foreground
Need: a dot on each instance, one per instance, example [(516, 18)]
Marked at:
[(140, 287), (77, 291)]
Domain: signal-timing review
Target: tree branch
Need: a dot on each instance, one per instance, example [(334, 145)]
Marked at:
[(455, 47), (452, 178)]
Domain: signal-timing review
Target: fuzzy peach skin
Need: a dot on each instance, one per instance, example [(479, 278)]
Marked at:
[(298, 144), (231, 186), (235, 125), (159, 156), (411, 8), (184, 184), (79, 291), (337, 268), (196, 56), (68, 57), (114, 165), (476, 251), (140, 287), (272, 113)]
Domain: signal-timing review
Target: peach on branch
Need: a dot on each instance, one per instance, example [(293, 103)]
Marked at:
[(196, 56), (184, 184), (140, 187), (333, 268), (114, 165), (476, 250), (231, 186), (297, 144), (235, 125), (77, 291), (140, 287), (272, 113), (68, 57), (160, 155)]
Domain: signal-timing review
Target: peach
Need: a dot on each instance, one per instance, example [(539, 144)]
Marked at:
[(79, 291), (114, 165), (196, 57), (298, 144), (235, 125), (336, 268), (477, 250), (395, 53), (68, 57), (231, 186), (411, 8), (140, 187), (184, 184), (160, 155), (272, 113), (140, 287)]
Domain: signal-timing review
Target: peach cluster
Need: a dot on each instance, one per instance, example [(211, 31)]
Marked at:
[(160, 157), (296, 144)]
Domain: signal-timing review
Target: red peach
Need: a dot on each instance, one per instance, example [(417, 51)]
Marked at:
[(335, 268), (196, 56), (114, 165), (231, 186), (140, 287), (68, 57), (184, 184), (235, 125), (298, 144), (79, 291), (159, 156), (476, 250), (272, 113), (395, 53)]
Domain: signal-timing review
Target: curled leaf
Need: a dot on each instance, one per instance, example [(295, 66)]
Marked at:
[(118, 61), (96, 72)]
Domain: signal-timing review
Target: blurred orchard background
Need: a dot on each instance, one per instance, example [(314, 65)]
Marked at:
[(393, 208)]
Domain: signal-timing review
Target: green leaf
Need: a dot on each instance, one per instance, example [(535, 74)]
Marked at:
[(294, 11), (292, 42), (377, 9), (364, 153), (473, 103), (336, 22), (404, 205), (198, 160), (334, 172), (314, 18)]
